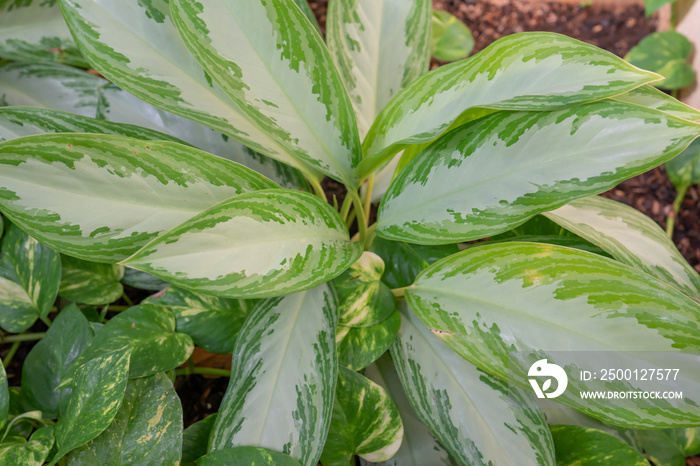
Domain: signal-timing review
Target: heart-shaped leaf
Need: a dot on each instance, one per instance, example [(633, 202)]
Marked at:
[(90, 282), (666, 53), (577, 445), (358, 347), (452, 39)]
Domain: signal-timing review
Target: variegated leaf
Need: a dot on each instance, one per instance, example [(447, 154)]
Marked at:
[(366, 422), (478, 418), (279, 74), (451, 39), (148, 331), (31, 453), (359, 347), (418, 447), (630, 237), (459, 189), (98, 390), (526, 71), (649, 96), (35, 31), (195, 440), (29, 279), (48, 361), (308, 12), (577, 445), (684, 170), (213, 323), (567, 306), (380, 47), (4, 397), (283, 377), (17, 122), (247, 456), (90, 282), (49, 85), (136, 45), (88, 196), (262, 244), (364, 299), (405, 261), (688, 439), (147, 429), (667, 53)]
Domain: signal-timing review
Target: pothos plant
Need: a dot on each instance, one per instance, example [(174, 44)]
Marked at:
[(402, 344)]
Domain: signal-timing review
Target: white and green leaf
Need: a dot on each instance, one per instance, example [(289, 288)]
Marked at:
[(478, 418), (98, 390), (247, 456), (358, 347), (29, 279), (103, 205), (649, 96), (526, 71), (364, 299), (90, 282), (499, 171), (213, 323), (146, 430), (148, 332), (379, 47), (46, 364), (630, 237), (280, 74), (283, 377), (418, 447), (577, 445), (261, 244), (566, 306)]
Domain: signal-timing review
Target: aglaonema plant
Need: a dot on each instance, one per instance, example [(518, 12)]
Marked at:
[(402, 344)]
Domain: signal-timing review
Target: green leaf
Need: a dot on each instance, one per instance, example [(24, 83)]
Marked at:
[(630, 237), (649, 96), (283, 377), (196, 439), (684, 170), (493, 300), (148, 330), (98, 390), (213, 323), (90, 282), (560, 71), (405, 261), (577, 445), (35, 31), (661, 448), (247, 456), (29, 278), (379, 47), (650, 6), (364, 299), (4, 397), (366, 422), (31, 453), (459, 190), (103, 206), (557, 414), (47, 363), (452, 39), (474, 415), (666, 53), (309, 13), (49, 85), (143, 280), (255, 245), (17, 122), (280, 66), (146, 430), (136, 46), (360, 347), (418, 447)]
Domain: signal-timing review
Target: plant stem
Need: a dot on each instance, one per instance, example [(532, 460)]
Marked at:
[(673, 16), (370, 236), (202, 371), (399, 292), (671, 220), (22, 337), (318, 189), (11, 354), (345, 210), (47, 321), (126, 299), (368, 195), (359, 210)]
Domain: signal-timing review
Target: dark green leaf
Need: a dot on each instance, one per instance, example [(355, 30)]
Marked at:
[(247, 456), (48, 361), (4, 397), (90, 282), (666, 53), (31, 453), (29, 278), (360, 347), (142, 280), (577, 446), (684, 169), (196, 440)]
